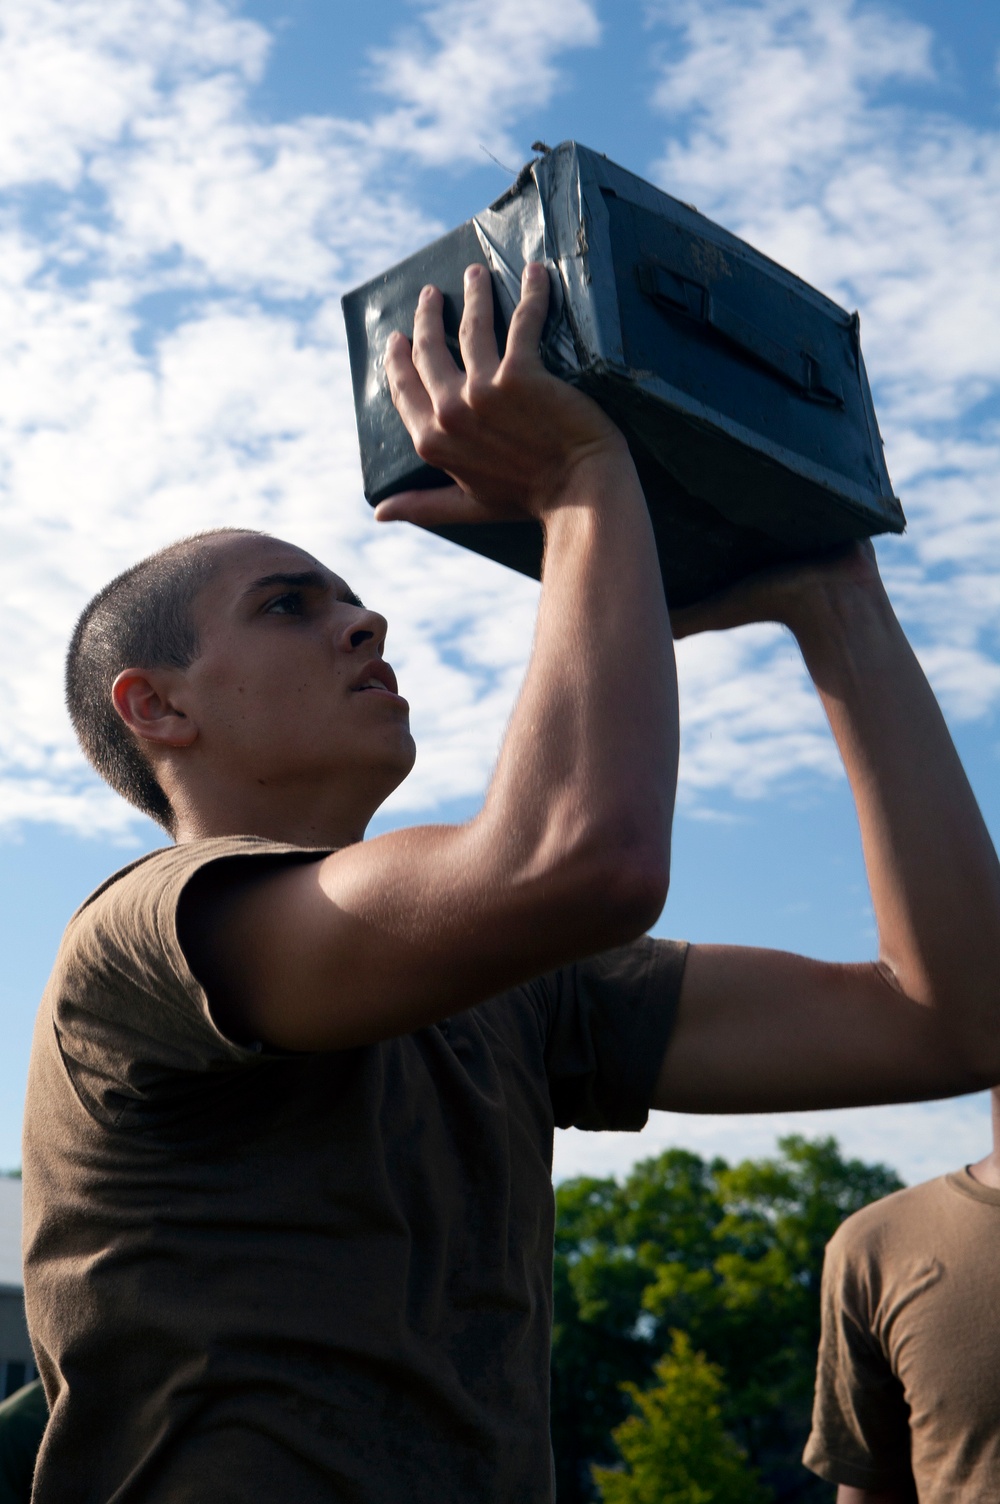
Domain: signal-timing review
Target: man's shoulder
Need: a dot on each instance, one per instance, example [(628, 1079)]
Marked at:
[(123, 1009), (164, 872), (902, 1214), (149, 859), (125, 934)]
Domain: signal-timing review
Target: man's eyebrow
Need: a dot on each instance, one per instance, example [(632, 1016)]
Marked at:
[(308, 579)]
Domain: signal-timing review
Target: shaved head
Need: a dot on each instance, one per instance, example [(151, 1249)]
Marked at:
[(143, 619)]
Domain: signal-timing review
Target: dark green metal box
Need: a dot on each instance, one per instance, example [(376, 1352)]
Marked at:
[(741, 390)]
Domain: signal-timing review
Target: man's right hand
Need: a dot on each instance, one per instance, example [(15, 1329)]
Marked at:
[(510, 434)]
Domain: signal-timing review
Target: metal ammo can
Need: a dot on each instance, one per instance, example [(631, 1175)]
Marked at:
[(741, 390)]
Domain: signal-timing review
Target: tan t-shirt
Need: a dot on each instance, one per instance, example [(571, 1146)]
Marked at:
[(262, 1276), (909, 1361)]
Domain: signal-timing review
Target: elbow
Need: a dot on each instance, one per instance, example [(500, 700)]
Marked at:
[(642, 882), (977, 1052), (600, 883), (627, 886), (962, 1024)]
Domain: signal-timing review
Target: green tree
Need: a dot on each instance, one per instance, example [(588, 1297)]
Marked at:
[(676, 1448), (610, 1240), (732, 1256)]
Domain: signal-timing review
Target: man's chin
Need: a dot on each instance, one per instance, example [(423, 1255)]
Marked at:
[(398, 764), (407, 763)]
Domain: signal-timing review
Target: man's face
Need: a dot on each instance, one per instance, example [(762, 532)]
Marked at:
[(289, 685)]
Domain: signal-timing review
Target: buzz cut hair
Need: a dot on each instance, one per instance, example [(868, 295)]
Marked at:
[(143, 619)]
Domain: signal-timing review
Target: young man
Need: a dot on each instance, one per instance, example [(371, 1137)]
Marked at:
[(289, 1123), (908, 1387)]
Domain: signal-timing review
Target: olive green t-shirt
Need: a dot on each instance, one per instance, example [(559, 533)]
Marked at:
[(908, 1373), (253, 1275)]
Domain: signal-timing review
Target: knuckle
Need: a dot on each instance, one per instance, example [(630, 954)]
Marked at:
[(478, 394), (427, 443), (511, 373), (394, 364), (397, 388), (395, 368), (449, 411), (473, 317), (403, 385)]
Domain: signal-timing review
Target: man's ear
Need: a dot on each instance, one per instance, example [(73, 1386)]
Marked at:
[(143, 700)]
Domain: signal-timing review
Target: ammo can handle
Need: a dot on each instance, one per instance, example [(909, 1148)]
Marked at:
[(676, 293)]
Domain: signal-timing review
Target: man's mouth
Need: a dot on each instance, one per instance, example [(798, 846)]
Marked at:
[(377, 676)]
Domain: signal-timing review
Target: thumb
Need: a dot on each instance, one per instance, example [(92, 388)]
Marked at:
[(437, 508)]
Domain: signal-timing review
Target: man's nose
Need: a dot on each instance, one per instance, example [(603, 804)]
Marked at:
[(367, 626)]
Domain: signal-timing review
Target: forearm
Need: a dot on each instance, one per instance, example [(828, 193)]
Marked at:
[(588, 767), (760, 1030), (585, 781), (933, 872), (570, 853)]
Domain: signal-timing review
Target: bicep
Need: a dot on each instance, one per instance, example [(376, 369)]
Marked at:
[(375, 940), (761, 1030), (305, 957)]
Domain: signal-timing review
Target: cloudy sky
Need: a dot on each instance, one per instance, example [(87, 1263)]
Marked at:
[(187, 187)]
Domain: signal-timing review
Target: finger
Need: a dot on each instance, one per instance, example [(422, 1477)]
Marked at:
[(476, 335), (431, 356), (438, 507), (528, 320), (406, 389)]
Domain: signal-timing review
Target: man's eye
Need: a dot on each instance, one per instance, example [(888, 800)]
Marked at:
[(289, 604)]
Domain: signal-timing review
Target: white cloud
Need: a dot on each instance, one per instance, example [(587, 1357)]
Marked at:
[(781, 126), (784, 126), (750, 720), (172, 353), (470, 70), (120, 431), (74, 76)]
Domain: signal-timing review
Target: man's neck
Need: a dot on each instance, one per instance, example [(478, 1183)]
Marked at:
[(322, 820), (987, 1171)]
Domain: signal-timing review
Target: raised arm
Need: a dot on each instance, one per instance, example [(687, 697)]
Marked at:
[(761, 1030), (570, 852)]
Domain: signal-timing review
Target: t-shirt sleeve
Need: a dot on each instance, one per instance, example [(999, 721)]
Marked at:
[(608, 1023), (129, 1015), (861, 1422)]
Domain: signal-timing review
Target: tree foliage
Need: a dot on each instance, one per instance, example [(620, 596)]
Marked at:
[(729, 1255), (676, 1449)]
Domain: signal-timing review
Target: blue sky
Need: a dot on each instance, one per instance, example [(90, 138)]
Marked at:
[(186, 189)]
